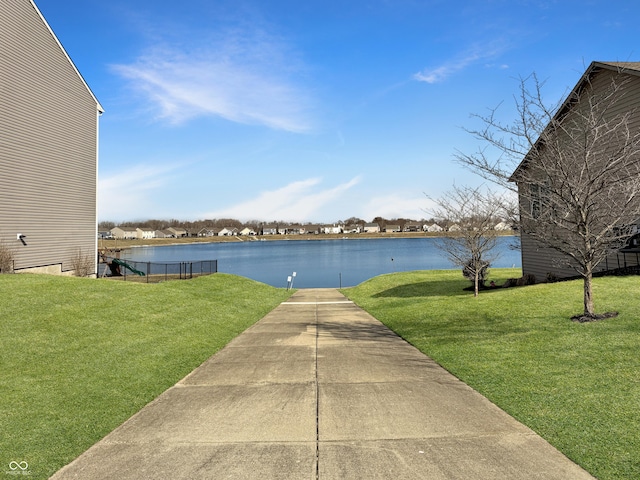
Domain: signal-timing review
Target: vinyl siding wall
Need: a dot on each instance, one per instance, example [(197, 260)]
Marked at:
[(48, 146), (540, 261)]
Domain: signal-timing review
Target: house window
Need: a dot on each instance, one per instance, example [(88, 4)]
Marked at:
[(534, 200), (538, 198)]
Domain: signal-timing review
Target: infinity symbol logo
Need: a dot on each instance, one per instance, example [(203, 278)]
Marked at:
[(16, 465)]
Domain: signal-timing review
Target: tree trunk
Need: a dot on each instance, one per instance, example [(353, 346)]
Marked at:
[(588, 293), (475, 284)]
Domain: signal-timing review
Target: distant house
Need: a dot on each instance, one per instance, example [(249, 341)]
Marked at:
[(332, 229), (353, 228), (371, 228), (434, 228), (143, 233), (392, 228), (247, 231), (312, 229), (164, 234), (454, 228), (48, 147), (502, 226), (412, 227), (228, 232), (293, 230), (178, 232), (125, 233), (208, 232), (269, 229)]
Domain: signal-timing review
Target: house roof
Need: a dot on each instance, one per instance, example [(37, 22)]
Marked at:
[(627, 67), (631, 68)]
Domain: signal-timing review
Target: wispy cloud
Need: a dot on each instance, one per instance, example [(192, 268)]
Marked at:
[(297, 201), (398, 206), (129, 192), (476, 54), (243, 76)]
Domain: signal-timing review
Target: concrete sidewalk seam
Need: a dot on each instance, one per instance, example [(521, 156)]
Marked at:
[(317, 303), (317, 379)]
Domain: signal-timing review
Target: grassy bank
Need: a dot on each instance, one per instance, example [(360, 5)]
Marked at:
[(577, 385), (79, 356)]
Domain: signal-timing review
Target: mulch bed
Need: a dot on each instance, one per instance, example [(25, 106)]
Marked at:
[(593, 318)]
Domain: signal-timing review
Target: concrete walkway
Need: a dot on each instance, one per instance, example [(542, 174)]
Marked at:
[(320, 389)]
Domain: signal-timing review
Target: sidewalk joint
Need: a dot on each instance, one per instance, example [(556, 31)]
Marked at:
[(317, 402), (318, 303)]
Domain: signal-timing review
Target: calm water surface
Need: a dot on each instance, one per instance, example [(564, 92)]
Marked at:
[(317, 263)]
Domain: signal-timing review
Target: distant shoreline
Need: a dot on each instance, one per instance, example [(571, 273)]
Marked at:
[(119, 244)]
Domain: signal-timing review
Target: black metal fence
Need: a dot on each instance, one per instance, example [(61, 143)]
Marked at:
[(624, 262), (153, 272)]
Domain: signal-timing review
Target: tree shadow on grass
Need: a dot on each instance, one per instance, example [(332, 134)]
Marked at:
[(451, 288), (446, 288)]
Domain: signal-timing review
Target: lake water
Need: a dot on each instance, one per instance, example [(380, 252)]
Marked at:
[(317, 263)]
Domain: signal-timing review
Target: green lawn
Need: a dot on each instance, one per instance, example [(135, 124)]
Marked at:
[(80, 356), (577, 385)]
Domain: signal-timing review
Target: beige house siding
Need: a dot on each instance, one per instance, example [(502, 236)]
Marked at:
[(48, 146), (540, 261)]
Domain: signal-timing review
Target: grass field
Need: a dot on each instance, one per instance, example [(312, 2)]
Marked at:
[(577, 385), (80, 356)]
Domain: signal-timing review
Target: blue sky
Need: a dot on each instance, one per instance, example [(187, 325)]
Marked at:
[(312, 111)]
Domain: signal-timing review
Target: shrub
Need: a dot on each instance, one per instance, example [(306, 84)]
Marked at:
[(82, 264), (469, 272), (6, 259)]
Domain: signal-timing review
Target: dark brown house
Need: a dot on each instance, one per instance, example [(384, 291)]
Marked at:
[(540, 260)]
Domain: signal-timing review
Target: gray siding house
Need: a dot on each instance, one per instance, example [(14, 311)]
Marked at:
[(48, 147), (546, 263)]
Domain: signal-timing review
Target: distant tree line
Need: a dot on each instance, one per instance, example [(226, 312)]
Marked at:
[(196, 225)]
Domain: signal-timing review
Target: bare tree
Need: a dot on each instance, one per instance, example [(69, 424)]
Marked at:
[(474, 212), (576, 167)]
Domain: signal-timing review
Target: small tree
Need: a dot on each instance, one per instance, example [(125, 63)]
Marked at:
[(576, 168), (469, 245)]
